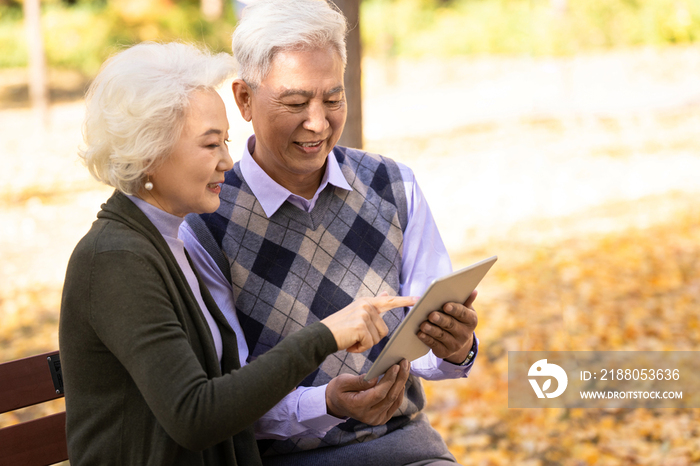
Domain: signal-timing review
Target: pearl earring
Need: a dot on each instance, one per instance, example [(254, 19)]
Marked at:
[(148, 185)]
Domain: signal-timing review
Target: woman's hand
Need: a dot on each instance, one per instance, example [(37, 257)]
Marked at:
[(359, 326)]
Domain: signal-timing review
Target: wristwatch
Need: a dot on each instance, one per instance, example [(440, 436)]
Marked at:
[(470, 356)]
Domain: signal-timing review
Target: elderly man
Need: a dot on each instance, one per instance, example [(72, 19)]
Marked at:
[(306, 227)]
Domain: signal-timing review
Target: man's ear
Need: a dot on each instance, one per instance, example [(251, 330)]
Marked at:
[(244, 96)]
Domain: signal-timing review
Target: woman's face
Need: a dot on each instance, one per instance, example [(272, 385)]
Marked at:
[(189, 179)]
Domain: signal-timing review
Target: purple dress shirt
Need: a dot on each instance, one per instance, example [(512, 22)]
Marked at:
[(303, 413)]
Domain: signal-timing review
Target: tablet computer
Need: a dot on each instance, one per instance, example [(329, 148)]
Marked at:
[(453, 288)]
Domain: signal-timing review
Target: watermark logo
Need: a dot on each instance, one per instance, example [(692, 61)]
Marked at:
[(603, 379), (542, 368)]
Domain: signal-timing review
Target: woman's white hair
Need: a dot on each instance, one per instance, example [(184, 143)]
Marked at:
[(136, 108), (270, 26)]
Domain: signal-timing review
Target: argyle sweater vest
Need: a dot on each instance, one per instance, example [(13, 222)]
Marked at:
[(296, 268)]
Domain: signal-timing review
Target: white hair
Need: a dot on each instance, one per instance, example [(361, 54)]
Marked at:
[(136, 108), (270, 26)]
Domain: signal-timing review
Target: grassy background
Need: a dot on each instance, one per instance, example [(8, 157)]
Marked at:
[(82, 35), (536, 27)]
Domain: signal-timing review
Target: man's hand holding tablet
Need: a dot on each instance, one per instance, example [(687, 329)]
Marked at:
[(447, 333)]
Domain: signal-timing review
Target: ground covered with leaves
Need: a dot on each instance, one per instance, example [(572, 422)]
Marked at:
[(634, 290)]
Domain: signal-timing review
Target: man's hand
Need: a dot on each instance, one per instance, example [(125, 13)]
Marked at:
[(450, 332), (370, 402)]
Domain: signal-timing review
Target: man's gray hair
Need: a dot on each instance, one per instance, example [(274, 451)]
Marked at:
[(137, 104), (270, 26)]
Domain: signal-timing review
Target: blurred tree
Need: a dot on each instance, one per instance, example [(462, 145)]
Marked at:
[(352, 134), (212, 9), (559, 6), (145, 11), (38, 87)]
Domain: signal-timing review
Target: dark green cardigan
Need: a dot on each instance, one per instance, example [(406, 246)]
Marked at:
[(142, 380)]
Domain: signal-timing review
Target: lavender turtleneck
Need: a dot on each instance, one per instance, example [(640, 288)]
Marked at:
[(168, 226)]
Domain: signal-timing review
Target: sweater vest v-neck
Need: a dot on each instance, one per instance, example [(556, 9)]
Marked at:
[(295, 268)]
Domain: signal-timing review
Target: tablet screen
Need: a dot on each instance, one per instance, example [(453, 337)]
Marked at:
[(453, 288)]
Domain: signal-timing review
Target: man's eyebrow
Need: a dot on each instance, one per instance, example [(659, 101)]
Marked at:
[(335, 90), (288, 92), (309, 94)]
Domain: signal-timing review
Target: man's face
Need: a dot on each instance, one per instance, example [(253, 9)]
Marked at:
[(298, 113)]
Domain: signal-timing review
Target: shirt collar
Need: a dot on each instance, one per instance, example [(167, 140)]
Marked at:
[(272, 195)]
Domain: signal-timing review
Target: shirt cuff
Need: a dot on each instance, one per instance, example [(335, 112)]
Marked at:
[(466, 366), (456, 369), (312, 411)]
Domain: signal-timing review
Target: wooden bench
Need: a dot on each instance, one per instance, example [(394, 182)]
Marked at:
[(26, 382)]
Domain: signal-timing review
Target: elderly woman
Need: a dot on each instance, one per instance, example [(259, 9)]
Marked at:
[(151, 367), (327, 224)]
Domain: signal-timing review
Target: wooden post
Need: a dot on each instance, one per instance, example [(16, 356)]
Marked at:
[(352, 135), (38, 87)]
